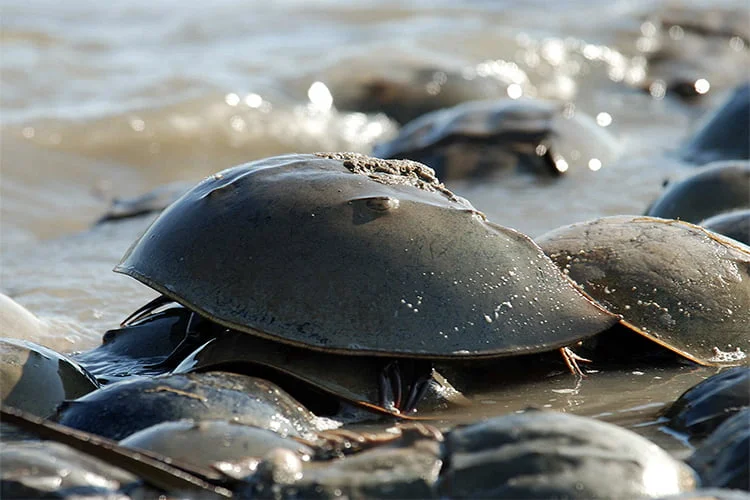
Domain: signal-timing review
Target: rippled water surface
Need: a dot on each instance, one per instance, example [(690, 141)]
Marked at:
[(101, 101)]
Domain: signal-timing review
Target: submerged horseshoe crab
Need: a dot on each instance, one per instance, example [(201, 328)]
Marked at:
[(406, 93), (723, 134), (357, 256), (124, 408), (716, 188), (686, 288), (734, 224), (314, 373), (479, 138)]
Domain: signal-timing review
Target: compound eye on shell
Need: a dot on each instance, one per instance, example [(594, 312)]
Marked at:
[(382, 203)]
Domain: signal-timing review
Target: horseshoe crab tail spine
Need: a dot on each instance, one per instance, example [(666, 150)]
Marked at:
[(153, 471)]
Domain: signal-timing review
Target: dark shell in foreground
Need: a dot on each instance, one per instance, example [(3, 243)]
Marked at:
[(686, 288), (46, 469), (723, 460), (556, 455), (345, 253), (704, 407), (121, 409), (735, 225), (715, 189), (400, 469)]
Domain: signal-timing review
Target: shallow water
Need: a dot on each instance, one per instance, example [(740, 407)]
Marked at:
[(105, 101)]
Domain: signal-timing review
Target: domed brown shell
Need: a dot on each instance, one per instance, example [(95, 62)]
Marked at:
[(678, 284), (345, 253)]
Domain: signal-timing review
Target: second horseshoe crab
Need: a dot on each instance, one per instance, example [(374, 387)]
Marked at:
[(480, 138), (686, 288)]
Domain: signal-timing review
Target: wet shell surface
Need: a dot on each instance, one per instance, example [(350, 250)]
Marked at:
[(36, 379), (386, 472), (735, 225), (217, 440), (138, 348), (717, 188), (705, 406), (121, 409), (45, 469), (723, 459), (684, 287), (540, 454), (351, 254), (477, 138)]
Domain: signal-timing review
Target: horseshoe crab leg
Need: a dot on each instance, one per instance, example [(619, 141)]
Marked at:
[(395, 382), (390, 386), (422, 376), (571, 360)]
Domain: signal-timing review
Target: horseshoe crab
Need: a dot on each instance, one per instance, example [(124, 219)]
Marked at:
[(540, 454), (318, 372), (405, 94), (45, 469), (478, 138), (351, 255), (151, 345), (734, 224), (147, 203), (36, 379), (702, 408), (394, 464), (717, 188), (723, 134), (123, 408), (723, 459), (694, 50), (683, 287), (140, 347), (180, 438)]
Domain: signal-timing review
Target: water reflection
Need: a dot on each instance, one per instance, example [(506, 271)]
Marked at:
[(631, 398)]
